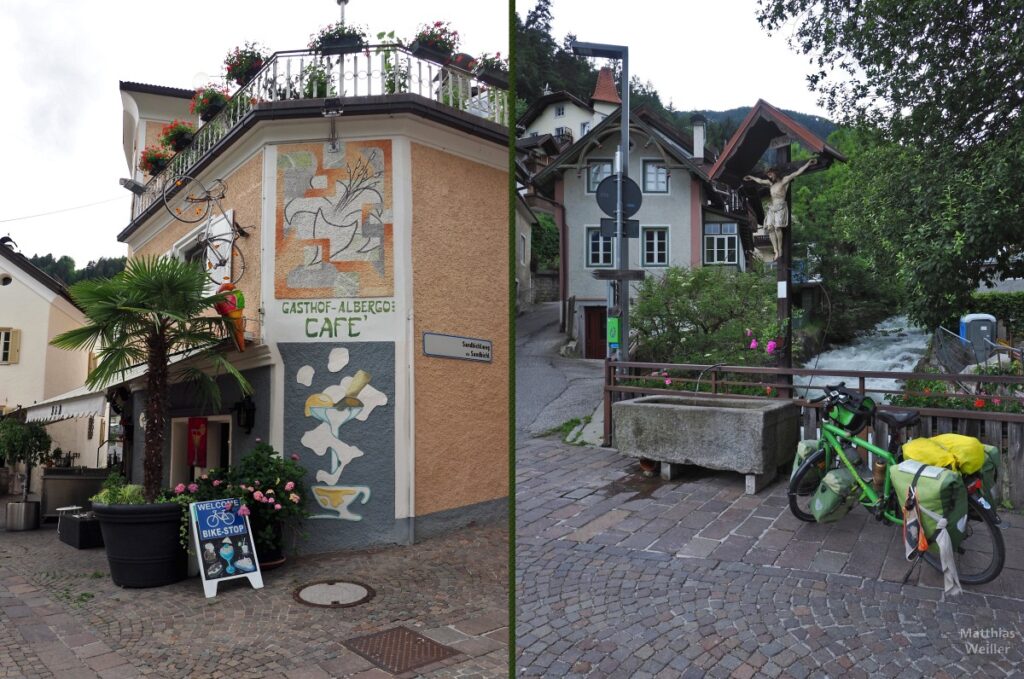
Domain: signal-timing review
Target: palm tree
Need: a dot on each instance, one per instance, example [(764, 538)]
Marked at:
[(149, 312)]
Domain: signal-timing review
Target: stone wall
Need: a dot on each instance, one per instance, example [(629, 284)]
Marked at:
[(545, 286)]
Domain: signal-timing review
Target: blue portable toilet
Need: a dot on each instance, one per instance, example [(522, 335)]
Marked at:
[(979, 332)]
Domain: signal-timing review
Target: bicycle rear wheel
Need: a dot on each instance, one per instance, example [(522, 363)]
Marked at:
[(224, 261), (804, 483), (186, 199), (980, 556)]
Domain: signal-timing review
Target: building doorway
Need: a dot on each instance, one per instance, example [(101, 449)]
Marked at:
[(595, 332), (218, 448)]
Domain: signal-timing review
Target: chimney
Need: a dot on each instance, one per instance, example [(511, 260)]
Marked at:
[(698, 121)]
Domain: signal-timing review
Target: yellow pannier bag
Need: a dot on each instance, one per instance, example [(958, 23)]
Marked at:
[(964, 454)]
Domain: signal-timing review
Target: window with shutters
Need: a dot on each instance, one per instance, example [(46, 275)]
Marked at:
[(10, 345)]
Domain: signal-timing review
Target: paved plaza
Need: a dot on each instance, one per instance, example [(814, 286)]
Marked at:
[(623, 576), (62, 617)]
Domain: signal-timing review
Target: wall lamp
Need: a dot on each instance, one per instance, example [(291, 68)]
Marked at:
[(133, 186), (245, 414)]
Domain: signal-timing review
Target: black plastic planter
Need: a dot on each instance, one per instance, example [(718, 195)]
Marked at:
[(343, 45), (182, 142), (423, 51), (211, 112), (142, 542), (493, 77)]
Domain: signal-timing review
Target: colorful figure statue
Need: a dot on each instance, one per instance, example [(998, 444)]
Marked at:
[(232, 307)]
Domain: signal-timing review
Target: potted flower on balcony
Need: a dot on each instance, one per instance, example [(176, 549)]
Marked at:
[(243, 63), (209, 101), (177, 134), (135, 319), (435, 41), (154, 159), (338, 38), (492, 69), (27, 444)]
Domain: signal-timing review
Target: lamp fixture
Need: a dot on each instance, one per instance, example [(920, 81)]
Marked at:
[(133, 186), (245, 414)]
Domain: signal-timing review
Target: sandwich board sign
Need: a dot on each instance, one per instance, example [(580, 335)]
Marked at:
[(223, 544)]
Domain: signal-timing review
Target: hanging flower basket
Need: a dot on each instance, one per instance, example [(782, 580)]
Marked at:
[(436, 42), (492, 70), (424, 51), (177, 135), (338, 38), (154, 159), (243, 63), (209, 101)]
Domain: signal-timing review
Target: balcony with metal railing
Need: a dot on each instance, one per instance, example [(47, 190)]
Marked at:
[(374, 71)]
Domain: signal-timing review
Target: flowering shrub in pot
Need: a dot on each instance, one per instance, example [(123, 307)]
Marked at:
[(273, 495), (243, 63)]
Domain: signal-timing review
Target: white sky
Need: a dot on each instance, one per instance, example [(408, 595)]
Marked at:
[(62, 108), (698, 55)]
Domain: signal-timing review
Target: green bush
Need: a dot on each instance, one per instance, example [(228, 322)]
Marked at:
[(117, 492), (707, 315)]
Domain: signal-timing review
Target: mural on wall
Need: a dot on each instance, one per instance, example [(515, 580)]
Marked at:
[(334, 223), (337, 416)]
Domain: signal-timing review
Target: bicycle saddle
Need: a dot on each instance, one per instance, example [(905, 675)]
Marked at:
[(898, 418)]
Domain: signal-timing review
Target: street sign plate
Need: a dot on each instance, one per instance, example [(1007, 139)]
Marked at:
[(632, 197), (619, 274), (609, 228)]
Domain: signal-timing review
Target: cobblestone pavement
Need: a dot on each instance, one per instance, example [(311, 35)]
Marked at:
[(623, 576), (61, 616)]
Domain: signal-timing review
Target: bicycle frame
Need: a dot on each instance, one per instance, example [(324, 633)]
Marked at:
[(830, 441)]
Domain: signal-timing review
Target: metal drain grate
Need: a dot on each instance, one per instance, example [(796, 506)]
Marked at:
[(334, 593), (399, 649)]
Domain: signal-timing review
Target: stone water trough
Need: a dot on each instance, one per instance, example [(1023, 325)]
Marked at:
[(749, 436)]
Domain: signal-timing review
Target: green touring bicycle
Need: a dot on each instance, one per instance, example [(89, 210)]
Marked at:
[(979, 551)]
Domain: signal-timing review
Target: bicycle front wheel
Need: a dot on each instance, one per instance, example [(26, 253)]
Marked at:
[(804, 484), (980, 556)]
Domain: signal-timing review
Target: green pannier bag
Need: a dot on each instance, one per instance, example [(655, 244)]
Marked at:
[(939, 490), (804, 450), (835, 496), (990, 475)]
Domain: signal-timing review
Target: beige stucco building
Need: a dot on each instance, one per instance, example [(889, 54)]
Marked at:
[(368, 231), (34, 308)]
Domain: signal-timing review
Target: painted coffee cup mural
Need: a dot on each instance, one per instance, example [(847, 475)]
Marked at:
[(345, 436)]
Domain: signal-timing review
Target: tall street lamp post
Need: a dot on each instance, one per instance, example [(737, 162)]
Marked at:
[(621, 53)]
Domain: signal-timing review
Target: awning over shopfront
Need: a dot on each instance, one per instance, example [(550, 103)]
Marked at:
[(81, 402)]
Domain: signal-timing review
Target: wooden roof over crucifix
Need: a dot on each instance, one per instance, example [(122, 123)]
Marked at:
[(767, 127)]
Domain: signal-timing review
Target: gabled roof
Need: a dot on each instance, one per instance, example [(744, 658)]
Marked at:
[(537, 107), (605, 89), (754, 136), (671, 145), (22, 262), (544, 142), (127, 86)]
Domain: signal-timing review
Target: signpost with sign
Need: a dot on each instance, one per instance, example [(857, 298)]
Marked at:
[(223, 542)]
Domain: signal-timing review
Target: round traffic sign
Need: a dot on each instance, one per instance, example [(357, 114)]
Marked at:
[(632, 197)]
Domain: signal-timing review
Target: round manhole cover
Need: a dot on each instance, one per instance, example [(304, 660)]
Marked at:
[(334, 594)]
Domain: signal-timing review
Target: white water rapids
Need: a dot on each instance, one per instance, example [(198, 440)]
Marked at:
[(892, 345)]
